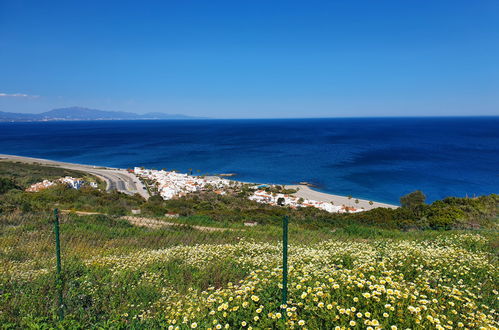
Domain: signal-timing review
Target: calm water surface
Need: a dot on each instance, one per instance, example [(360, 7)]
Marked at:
[(378, 159)]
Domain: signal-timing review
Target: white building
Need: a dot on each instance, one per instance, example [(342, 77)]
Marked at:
[(173, 185)]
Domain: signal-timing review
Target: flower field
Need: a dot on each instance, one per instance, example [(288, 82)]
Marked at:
[(445, 281)]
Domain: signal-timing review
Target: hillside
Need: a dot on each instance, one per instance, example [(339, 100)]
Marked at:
[(205, 269), (79, 113)]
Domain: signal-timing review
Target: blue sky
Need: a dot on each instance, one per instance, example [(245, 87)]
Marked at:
[(252, 59)]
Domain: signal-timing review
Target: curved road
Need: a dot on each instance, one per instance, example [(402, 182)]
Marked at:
[(115, 178)]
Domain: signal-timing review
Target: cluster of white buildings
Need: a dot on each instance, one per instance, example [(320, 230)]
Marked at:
[(71, 182), (261, 196), (172, 184)]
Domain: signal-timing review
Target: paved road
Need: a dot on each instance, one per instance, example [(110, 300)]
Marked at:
[(115, 178)]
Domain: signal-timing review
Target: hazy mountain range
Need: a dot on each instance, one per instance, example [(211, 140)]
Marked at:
[(78, 113)]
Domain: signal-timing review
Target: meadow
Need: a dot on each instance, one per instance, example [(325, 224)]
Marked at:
[(116, 275), (344, 272)]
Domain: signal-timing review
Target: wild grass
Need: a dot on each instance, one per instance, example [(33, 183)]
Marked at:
[(346, 271), (119, 275)]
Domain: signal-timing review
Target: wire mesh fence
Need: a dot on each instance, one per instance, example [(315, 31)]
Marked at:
[(74, 266), (139, 272)]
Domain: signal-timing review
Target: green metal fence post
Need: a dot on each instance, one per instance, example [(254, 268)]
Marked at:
[(284, 301), (58, 281)]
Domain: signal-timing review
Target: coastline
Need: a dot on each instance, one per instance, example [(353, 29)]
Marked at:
[(308, 193), (124, 181)]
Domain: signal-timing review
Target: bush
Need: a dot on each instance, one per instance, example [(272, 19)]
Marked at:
[(7, 184)]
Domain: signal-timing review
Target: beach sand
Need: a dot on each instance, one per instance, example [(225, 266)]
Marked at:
[(308, 193), (122, 180)]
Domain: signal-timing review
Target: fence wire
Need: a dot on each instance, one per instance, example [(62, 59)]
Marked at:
[(161, 272), (94, 267)]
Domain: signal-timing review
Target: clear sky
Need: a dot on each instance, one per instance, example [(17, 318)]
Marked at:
[(252, 59)]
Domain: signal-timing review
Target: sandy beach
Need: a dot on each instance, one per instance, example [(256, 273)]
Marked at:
[(124, 181), (308, 193)]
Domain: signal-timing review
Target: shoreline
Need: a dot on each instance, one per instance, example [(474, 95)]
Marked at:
[(121, 180), (307, 192)]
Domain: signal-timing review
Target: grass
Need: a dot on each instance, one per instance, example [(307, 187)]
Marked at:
[(24, 174), (344, 271), (118, 275)]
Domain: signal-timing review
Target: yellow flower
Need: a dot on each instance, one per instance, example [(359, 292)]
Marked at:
[(255, 298), (194, 325), (301, 322), (353, 323)]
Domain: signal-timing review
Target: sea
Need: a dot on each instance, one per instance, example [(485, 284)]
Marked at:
[(377, 159)]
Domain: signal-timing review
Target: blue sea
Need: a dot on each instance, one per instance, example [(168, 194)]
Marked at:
[(377, 159)]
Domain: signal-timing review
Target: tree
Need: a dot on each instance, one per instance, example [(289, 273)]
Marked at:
[(280, 201), (413, 199)]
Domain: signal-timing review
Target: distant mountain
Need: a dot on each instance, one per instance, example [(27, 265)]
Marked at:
[(11, 116), (78, 113)]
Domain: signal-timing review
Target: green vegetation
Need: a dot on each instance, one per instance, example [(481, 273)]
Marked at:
[(351, 270), (23, 175), (119, 276), (234, 209), (277, 189), (7, 184), (449, 213), (413, 200)]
